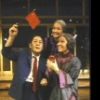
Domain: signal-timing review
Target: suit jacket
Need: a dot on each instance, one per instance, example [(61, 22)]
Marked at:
[(23, 59)]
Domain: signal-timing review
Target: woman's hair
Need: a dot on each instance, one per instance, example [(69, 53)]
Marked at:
[(70, 40), (62, 23)]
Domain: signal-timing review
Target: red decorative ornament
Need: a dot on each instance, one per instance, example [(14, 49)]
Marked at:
[(52, 58)]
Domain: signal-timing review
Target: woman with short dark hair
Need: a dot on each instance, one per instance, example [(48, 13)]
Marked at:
[(64, 70)]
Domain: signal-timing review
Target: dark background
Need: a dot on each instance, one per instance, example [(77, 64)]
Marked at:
[(76, 13)]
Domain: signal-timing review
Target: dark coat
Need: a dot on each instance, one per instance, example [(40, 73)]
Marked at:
[(22, 70), (50, 47), (65, 85)]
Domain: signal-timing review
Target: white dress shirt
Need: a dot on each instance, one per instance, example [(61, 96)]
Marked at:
[(30, 76)]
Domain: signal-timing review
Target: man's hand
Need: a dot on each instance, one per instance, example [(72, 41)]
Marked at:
[(44, 82), (13, 31)]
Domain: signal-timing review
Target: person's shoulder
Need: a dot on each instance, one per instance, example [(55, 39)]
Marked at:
[(23, 50), (47, 39), (75, 58)]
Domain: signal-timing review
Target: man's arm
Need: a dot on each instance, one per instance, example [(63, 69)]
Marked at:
[(13, 31), (7, 49)]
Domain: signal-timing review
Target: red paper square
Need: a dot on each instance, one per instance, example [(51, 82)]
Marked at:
[(32, 19)]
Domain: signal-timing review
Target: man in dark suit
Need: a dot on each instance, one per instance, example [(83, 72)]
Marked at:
[(23, 80)]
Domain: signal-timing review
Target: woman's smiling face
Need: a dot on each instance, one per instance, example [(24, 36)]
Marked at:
[(62, 45), (57, 30)]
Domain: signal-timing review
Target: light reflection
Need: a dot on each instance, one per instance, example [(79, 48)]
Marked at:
[(70, 20), (5, 39)]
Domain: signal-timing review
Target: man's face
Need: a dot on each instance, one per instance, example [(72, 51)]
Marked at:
[(36, 45)]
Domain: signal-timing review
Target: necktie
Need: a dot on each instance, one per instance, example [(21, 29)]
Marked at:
[(34, 87)]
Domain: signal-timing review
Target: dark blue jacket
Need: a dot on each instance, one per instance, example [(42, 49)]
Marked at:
[(22, 69)]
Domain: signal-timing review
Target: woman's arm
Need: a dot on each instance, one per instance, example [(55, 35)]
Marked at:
[(68, 76)]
